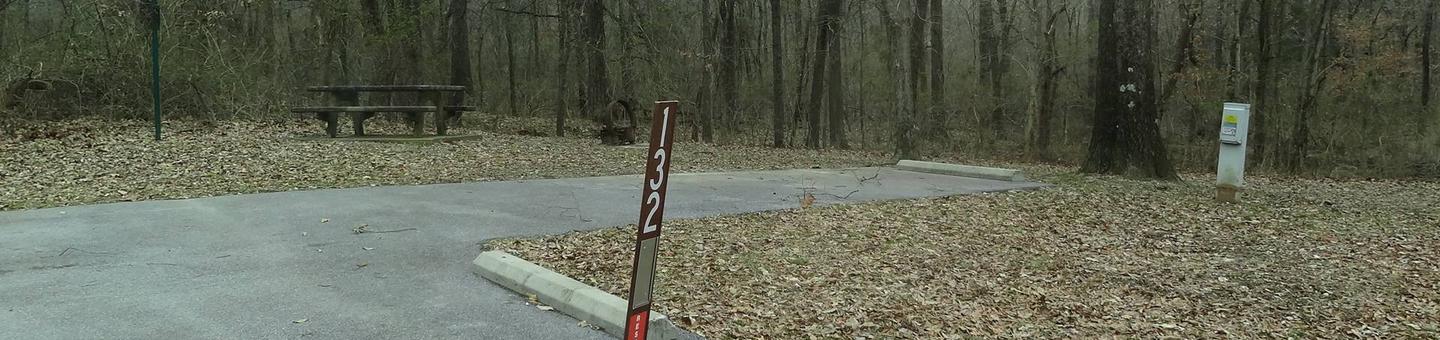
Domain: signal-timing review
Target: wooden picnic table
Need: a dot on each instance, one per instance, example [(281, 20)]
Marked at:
[(347, 99)]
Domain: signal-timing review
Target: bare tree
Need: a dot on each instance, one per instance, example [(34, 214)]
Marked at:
[(566, 11), (597, 84), (729, 86), (918, 17), (1425, 66), (460, 70), (706, 96), (939, 116), (995, 26), (1316, 73), (1125, 138), (777, 77), (509, 23), (829, 12), (899, 63), (836, 94), (1237, 87), (1184, 45), (1038, 123), (1262, 109)]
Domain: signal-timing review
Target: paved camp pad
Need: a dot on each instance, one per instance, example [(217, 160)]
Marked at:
[(266, 266)]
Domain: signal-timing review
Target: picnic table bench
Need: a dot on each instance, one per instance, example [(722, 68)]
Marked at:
[(441, 100)]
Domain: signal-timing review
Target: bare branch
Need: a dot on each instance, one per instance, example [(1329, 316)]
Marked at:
[(526, 12)]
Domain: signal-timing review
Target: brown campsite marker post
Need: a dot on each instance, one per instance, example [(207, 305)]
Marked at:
[(652, 211)]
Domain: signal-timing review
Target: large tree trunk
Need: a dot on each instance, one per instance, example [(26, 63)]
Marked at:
[(828, 12), (460, 71), (597, 82), (1262, 99), (777, 77), (1125, 139), (562, 74), (899, 62), (729, 86)]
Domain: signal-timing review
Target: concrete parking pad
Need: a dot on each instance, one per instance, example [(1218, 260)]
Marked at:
[(265, 266)]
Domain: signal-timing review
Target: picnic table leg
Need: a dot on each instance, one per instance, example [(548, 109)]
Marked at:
[(357, 119), (441, 115), (417, 123), (332, 123)]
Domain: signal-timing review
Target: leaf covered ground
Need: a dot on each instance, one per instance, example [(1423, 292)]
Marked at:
[(1090, 257), (98, 161)]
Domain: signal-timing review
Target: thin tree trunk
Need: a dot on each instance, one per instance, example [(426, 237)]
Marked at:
[(729, 87), (1261, 111), (803, 28), (1425, 65), (534, 41), (1237, 87), (509, 24), (562, 79), (1315, 75), (627, 50), (1185, 43), (836, 89), (917, 46), (707, 96), (597, 89), (826, 20), (777, 75), (1217, 47), (375, 22), (994, 31), (940, 117), (479, 34), (899, 72), (1037, 131), (415, 74), (460, 71)]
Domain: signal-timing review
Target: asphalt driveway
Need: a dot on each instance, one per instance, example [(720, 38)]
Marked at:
[(265, 266)]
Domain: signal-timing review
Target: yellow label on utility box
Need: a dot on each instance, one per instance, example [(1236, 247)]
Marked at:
[(1232, 119)]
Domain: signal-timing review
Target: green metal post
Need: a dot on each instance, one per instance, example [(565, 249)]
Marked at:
[(155, 60)]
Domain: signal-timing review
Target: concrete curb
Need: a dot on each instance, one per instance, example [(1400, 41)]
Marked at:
[(568, 296), (962, 170)]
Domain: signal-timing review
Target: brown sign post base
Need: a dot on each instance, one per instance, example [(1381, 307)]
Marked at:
[(1227, 194)]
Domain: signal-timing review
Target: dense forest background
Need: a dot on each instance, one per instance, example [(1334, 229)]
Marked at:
[(1339, 87)]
